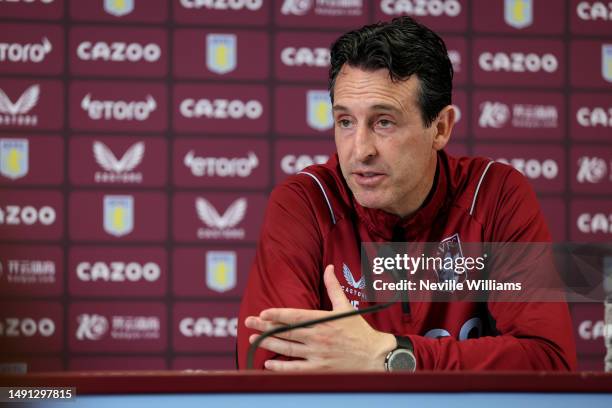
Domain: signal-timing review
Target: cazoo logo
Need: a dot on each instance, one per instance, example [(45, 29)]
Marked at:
[(518, 62), (27, 215), (118, 271), (118, 51), (26, 327), (221, 109), (205, 327)]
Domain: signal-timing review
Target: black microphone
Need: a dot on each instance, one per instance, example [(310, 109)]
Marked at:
[(385, 251)]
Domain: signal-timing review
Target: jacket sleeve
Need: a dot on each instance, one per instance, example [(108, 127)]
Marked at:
[(286, 271), (532, 335)]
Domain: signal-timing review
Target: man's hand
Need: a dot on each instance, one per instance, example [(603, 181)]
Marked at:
[(344, 344)]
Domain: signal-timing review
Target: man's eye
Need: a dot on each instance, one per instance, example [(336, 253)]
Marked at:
[(385, 123), (344, 123)]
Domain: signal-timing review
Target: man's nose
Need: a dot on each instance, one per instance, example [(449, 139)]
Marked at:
[(365, 144)]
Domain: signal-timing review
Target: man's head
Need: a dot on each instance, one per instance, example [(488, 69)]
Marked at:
[(390, 85)]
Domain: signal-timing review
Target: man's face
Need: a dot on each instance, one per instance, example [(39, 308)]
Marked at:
[(386, 154)]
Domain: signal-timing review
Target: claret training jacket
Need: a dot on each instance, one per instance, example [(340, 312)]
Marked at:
[(313, 220)]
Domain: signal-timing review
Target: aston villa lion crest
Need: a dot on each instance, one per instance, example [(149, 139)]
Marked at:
[(319, 110), (221, 53), (606, 62), (14, 158), (450, 249), (221, 270), (118, 8), (518, 13), (118, 214)]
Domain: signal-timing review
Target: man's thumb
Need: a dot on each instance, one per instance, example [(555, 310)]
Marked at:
[(334, 290)]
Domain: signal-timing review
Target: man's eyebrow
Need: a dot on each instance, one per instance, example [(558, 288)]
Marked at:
[(378, 107)]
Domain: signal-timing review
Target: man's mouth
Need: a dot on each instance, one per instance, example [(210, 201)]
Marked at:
[(368, 178)]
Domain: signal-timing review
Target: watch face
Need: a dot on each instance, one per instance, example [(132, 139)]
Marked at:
[(402, 360)]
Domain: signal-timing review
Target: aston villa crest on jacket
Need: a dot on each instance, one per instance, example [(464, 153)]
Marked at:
[(450, 248), (14, 158), (221, 53), (118, 8), (221, 270), (118, 214), (319, 110), (606, 62), (518, 13)]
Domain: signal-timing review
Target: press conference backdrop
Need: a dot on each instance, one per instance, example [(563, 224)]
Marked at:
[(139, 141)]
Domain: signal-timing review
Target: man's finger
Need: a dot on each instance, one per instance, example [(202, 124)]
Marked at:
[(283, 347), (294, 365), (291, 316), (334, 290), (256, 323)]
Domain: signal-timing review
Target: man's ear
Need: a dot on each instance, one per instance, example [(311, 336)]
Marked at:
[(443, 126)]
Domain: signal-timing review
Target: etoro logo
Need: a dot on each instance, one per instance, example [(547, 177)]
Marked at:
[(311, 57), (118, 271), (594, 117), (14, 161), (591, 169), (118, 170), (15, 52), (118, 110), (221, 166), (251, 5), (221, 226), (91, 327), (17, 113), (208, 327), (26, 327), (594, 11), (118, 51), (518, 62), (594, 223), (421, 8)]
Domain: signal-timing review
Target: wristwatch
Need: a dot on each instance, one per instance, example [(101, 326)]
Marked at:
[(402, 357)]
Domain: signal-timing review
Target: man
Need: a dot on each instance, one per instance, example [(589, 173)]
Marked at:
[(390, 85)]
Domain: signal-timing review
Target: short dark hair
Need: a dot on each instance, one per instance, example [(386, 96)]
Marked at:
[(403, 47)]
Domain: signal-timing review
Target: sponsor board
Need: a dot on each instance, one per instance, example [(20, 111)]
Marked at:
[(518, 115), (204, 363), (126, 52), (117, 327), (518, 62), (303, 111), (31, 160), (292, 156), (31, 49), (439, 15), (518, 16), (224, 12), (95, 363), (31, 215), (31, 104), (31, 270), (118, 162), (222, 163), (461, 109), (321, 13), (218, 217), (119, 11), (593, 17), (117, 106), (32, 9), (591, 169), (221, 108), (124, 272), (220, 54), (212, 273), (302, 56), (555, 214), (542, 165), (591, 220), (138, 216), (589, 329), (591, 64), (31, 327), (204, 327), (591, 117), (457, 53)]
